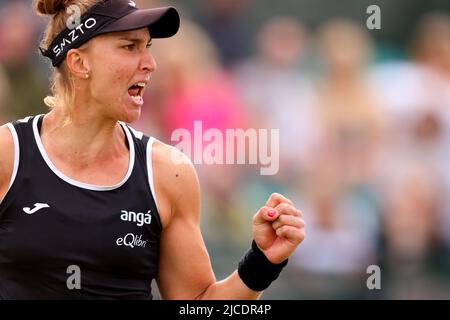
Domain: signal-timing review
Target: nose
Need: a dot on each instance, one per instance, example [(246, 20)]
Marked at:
[(148, 62)]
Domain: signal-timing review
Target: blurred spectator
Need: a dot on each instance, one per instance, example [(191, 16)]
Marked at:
[(18, 56), (349, 105), (411, 212), (411, 233), (4, 93), (431, 48), (224, 20), (342, 242), (278, 95), (192, 86), (431, 45)]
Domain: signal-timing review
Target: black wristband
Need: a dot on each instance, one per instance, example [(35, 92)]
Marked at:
[(256, 271)]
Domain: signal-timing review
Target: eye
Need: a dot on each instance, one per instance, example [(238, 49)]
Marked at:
[(129, 46), (149, 45)]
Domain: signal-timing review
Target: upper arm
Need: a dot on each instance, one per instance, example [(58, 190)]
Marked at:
[(185, 270), (6, 159)]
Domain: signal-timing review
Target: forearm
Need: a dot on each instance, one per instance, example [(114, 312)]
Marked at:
[(232, 288)]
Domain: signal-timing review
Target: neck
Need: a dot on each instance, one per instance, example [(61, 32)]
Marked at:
[(83, 139)]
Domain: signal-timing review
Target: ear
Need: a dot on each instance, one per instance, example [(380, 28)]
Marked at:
[(78, 63)]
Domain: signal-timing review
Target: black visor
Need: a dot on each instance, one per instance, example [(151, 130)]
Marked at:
[(113, 16)]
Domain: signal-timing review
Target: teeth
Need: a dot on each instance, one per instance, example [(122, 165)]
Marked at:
[(140, 84), (136, 98)]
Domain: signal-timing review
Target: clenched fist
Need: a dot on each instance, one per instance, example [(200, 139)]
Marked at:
[(278, 228)]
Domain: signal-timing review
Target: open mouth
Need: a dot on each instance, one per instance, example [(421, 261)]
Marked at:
[(136, 91)]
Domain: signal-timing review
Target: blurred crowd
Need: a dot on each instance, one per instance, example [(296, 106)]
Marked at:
[(364, 140)]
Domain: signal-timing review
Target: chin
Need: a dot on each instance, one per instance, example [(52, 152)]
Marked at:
[(130, 116)]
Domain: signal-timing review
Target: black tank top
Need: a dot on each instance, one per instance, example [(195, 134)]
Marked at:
[(53, 228)]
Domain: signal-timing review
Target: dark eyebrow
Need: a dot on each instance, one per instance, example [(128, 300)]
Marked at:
[(135, 40)]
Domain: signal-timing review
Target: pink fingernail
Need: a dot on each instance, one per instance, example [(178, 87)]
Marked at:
[(272, 213)]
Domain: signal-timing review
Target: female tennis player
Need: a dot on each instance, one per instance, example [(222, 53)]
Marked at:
[(82, 192)]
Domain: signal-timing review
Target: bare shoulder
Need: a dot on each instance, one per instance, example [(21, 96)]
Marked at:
[(176, 181), (6, 158)]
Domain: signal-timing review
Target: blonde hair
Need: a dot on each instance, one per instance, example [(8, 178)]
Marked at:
[(61, 83)]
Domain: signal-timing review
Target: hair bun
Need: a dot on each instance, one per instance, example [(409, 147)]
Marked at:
[(50, 7)]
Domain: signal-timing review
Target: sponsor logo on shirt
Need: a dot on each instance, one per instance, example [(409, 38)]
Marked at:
[(139, 218), (37, 207), (131, 240)]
